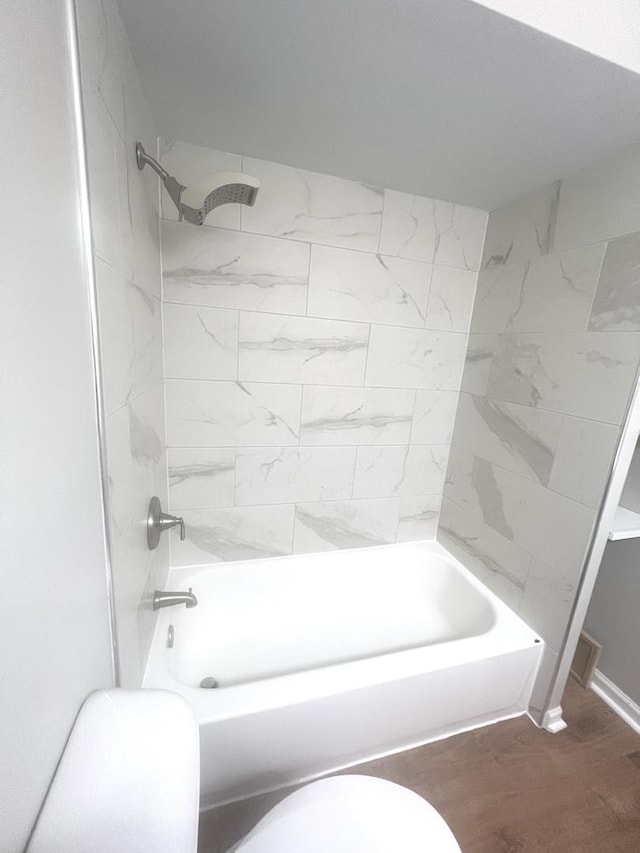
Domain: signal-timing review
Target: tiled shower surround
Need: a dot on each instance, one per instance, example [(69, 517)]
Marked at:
[(126, 246), (553, 351), (314, 347)]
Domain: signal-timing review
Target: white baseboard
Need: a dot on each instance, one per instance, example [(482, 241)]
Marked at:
[(618, 701)]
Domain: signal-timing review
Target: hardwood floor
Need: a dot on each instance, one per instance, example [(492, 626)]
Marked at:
[(509, 788)]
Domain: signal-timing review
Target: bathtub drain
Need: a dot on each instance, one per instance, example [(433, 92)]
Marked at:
[(209, 682)]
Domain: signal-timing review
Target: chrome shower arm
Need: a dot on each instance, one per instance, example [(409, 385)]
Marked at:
[(143, 159), (172, 186)]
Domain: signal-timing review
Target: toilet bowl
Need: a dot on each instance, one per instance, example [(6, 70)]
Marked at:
[(350, 814), (128, 780)]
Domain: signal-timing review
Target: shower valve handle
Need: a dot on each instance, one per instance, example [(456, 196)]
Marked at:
[(157, 521)]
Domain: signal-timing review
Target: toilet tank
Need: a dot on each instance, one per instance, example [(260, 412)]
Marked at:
[(128, 780)]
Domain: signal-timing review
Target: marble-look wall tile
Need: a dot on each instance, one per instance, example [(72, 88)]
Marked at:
[(102, 46), (103, 177), (141, 210), (418, 518), (373, 288), (332, 415), (478, 361), (413, 358), (546, 603), (583, 459), (601, 202), (548, 294), (201, 477), (493, 559), (301, 344), (210, 414), (294, 474), (383, 472), (588, 375), (317, 208), (190, 163), (345, 524), (228, 269), (616, 306), (200, 343), (549, 526), (425, 229), (523, 229), (276, 348), (130, 337), (136, 469), (521, 439), (434, 417), (451, 299), (239, 533), (124, 226)]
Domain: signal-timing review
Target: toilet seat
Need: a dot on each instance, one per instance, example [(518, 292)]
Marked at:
[(351, 814)]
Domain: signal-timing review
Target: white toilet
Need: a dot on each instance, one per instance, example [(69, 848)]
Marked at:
[(128, 782)]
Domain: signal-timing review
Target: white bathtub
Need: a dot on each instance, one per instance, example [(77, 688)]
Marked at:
[(325, 660)]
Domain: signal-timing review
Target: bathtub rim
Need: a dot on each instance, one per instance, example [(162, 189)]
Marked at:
[(507, 633)]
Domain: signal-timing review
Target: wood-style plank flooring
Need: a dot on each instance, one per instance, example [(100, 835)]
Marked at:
[(508, 788)]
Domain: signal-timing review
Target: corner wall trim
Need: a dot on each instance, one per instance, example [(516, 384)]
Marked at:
[(619, 702), (553, 722)]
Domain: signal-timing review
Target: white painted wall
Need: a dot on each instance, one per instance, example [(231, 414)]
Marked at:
[(55, 645), (608, 29), (612, 618)]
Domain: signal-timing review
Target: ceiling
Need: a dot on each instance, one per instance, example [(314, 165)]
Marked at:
[(443, 98)]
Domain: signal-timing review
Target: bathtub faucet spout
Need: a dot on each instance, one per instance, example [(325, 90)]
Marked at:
[(166, 599)]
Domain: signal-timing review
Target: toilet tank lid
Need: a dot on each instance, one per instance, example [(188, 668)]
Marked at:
[(128, 779)]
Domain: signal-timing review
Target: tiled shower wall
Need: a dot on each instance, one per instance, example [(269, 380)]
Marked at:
[(125, 230), (314, 346), (552, 356)]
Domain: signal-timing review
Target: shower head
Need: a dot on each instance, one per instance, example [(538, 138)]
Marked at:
[(195, 202)]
